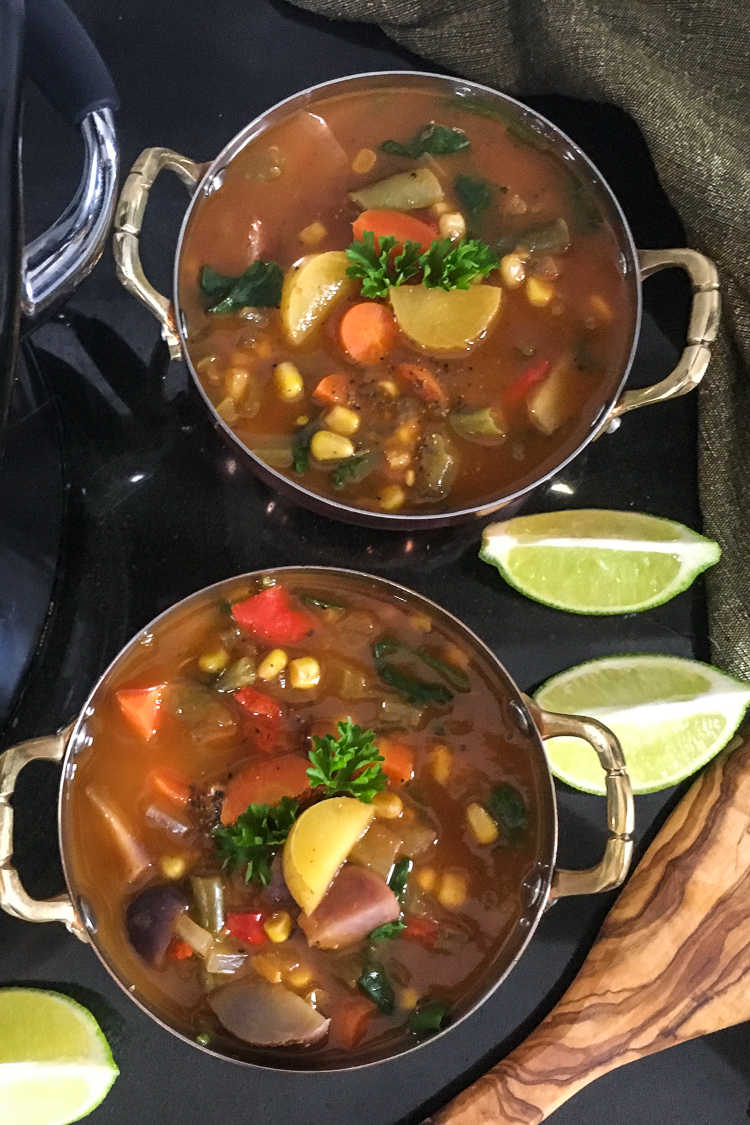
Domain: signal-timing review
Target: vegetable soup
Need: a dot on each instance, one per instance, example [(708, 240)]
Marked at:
[(304, 819), (406, 301)]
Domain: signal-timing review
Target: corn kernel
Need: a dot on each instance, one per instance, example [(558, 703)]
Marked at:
[(313, 234), (214, 661), (208, 366), (227, 410), (407, 432), (263, 347), (278, 926), (538, 292), (452, 225), (388, 387), (441, 763), (598, 305), (302, 420), (455, 655), (452, 890), (304, 673), (440, 208), (364, 161), (481, 824), (173, 866), (272, 663), (420, 622), (392, 497), (327, 446), (236, 381), (342, 420), (388, 806), (408, 998), (288, 381), (409, 477), (512, 271), (269, 967), (397, 458), (426, 878), (298, 977)]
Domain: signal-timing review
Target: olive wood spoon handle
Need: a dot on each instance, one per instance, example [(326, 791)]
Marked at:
[(671, 962)]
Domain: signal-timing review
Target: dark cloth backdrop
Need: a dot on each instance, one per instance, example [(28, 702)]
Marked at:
[(681, 69)]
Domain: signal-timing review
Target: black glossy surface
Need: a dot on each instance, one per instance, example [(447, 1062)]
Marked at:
[(158, 507)]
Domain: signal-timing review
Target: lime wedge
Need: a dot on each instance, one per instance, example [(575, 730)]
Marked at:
[(597, 561), (55, 1064), (671, 716)]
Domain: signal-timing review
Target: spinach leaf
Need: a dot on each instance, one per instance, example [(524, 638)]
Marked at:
[(456, 677), (586, 214), (427, 1018), (437, 140), (508, 808), (386, 931), (544, 238), (475, 195), (375, 984), (258, 287), (353, 469), (399, 878), (301, 446), (412, 689)]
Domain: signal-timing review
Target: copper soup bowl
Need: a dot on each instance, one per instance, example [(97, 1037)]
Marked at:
[(543, 882), (204, 178)]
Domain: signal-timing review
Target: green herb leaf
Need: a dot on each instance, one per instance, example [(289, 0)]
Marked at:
[(400, 877), (301, 446), (410, 687), (508, 808), (406, 264), (448, 264), (353, 469), (453, 675), (457, 265), (254, 838), (475, 195), (427, 1018), (371, 264), (375, 984), (437, 140), (320, 603), (387, 931), (258, 287), (349, 763)]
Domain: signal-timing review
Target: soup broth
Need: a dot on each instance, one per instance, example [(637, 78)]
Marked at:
[(382, 898), (465, 379)]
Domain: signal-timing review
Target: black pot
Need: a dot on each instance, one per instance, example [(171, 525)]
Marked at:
[(44, 41)]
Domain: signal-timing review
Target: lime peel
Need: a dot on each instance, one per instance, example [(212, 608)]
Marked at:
[(690, 713)]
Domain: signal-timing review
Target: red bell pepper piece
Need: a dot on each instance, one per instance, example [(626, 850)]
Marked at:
[(264, 717), (424, 930), (533, 375), (273, 616), (247, 926), (179, 950)]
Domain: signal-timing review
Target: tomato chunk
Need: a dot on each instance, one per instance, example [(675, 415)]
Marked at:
[(273, 616), (247, 926), (141, 707)]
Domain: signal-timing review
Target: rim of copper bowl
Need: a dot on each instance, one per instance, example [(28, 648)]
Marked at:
[(545, 864), (412, 520)]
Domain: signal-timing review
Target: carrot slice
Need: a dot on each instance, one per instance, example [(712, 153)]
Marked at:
[(179, 950), (141, 707), (422, 381), (334, 390), (399, 760), (350, 1020), (265, 782), (404, 228), (171, 786), (367, 332)]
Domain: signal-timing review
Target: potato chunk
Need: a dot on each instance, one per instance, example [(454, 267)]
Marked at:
[(440, 320), (311, 289), (318, 844)]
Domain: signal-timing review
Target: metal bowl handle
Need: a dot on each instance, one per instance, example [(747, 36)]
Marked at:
[(702, 330), (129, 213), (613, 867), (13, 896)]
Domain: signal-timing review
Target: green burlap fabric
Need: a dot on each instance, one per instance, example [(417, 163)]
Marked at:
[(681, 69)]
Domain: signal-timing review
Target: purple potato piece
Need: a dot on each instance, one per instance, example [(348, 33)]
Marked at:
[(267, 1015), (356, 903), (150, 919)]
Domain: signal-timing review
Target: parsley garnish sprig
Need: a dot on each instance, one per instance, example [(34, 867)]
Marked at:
[(445, 264), (347, 763), (254, 837)]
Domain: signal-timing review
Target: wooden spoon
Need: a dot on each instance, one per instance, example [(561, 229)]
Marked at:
[(672, 960)]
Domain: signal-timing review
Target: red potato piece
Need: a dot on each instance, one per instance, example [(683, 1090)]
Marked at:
[(267, 1015), (357, 902), (265, 782), (273, 616)]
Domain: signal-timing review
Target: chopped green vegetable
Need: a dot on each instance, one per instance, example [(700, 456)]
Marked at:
[(254, 837), (427, 1018), (301, 446), (406, 191), (320, 603), (208, 896), (508, 808), (258, 287), (237, 675), (437, 140), (437, 466), (481, 425), (347, 763), (586, 213), (475, 195), (546, 238), (456, 265), (456, 677), (353, 469), (411, 688), (375, 984), (400, 877), (387, 931), (414, 689)]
